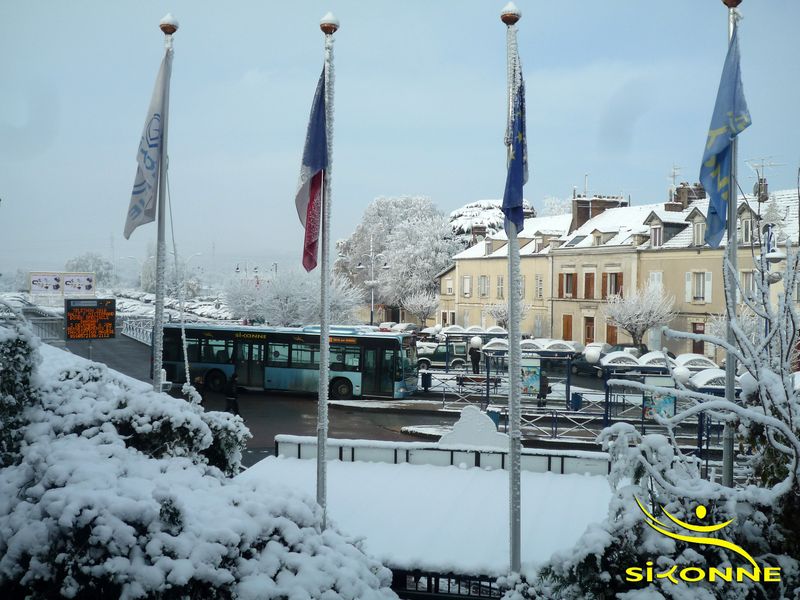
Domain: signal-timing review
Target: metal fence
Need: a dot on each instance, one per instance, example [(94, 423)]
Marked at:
[(140, 330)]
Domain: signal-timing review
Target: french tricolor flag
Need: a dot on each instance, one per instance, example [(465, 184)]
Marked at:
[(310, 195)]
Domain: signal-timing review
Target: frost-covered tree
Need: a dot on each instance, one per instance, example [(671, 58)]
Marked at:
[(553, 206), (92, 262), (421, 304), (344, 302), (408, 235), (639, 310), (501, 312), (246, 299), (759, 516), (483, 213)]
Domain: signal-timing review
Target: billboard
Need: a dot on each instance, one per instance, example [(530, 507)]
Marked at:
[(62, 283), (90, 319)]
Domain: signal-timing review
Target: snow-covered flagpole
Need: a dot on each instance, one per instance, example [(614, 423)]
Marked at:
[(733, 246), (169, 26), (148, 198), (512, 208), (329, 24)]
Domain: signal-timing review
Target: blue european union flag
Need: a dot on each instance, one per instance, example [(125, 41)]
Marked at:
[(730, 118), (517, 161)]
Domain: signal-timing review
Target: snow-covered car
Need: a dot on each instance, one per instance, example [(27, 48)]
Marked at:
[(405, 327), (386, 326)]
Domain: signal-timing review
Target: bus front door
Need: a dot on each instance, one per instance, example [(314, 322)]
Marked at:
[(251, 365), (377, 378)]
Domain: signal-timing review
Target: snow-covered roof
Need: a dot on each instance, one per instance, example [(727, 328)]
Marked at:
[(695, 362), (550, 225), (623, 222), (782, 206), (708, 378)]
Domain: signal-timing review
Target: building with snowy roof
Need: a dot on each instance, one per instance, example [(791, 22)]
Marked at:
[(571, 264)]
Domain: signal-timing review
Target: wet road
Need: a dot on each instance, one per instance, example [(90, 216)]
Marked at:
[(269, 414)]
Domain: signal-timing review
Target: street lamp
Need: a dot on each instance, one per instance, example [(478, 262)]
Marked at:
[(372, 282)]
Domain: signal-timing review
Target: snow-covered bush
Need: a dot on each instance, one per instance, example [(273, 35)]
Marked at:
[(120, 492), (18, 357), (759, 516)]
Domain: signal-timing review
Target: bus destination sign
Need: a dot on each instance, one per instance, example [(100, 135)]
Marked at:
[(90, 319)]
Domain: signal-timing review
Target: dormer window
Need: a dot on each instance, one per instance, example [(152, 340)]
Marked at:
[(656, 236), (598, 239), (747, 230), (699, 230)]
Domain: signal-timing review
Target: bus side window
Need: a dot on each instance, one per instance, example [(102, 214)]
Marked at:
[(193, 352), (352, 359), (278, 355)]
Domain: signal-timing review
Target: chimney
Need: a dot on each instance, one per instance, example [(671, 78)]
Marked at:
[(685, 194), (584, 208)]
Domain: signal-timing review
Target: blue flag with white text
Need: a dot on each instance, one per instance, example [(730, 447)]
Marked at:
[(730, 118), (517, 161)]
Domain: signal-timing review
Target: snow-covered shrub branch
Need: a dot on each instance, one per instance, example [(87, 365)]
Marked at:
[(500, 312)]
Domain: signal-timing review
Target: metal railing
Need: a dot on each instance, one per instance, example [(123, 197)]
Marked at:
[(140, 330), (49, 329)]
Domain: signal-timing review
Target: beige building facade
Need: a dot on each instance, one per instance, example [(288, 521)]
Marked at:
[(569, 267)]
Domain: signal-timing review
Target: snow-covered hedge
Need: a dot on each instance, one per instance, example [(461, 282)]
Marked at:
[(18, 356), (120, 492)]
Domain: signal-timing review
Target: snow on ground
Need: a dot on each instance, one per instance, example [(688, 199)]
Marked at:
[(446, 518)]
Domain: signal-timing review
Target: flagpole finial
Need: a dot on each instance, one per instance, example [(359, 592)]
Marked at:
[(731, 3), (329, 24), (168, 24), (510, 14)]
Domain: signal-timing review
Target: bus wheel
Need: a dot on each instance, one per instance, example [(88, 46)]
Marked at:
[(341, 389), (215, 381)]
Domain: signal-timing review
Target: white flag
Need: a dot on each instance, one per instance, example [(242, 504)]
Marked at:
[(143, 204)]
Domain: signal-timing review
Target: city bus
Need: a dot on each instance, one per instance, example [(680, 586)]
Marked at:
[(362, 362)]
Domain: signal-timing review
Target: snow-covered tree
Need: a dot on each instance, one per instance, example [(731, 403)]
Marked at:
[(553, 206), (344, 302), (246, 299), (92, 262), (640, 309), (759, 516), (409, 236), (421, 304), (501, 312), (483, 213)]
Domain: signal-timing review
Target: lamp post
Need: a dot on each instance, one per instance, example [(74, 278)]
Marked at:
[(372, 283), (238, 270)]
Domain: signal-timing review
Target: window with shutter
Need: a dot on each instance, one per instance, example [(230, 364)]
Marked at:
[(560, 285), (707, 291), (588, 286), (687, 297), (566, 327), (604, 286)]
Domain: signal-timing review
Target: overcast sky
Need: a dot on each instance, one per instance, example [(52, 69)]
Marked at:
[(619, 89)]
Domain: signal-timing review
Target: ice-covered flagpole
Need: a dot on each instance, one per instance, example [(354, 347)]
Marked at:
[(169, 25), (510, 15), (329, 25), (732, 250)]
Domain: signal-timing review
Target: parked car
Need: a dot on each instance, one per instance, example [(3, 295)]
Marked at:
[(634, 349), (438, 356), (405, 327), (386, 325), (581, 366)]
